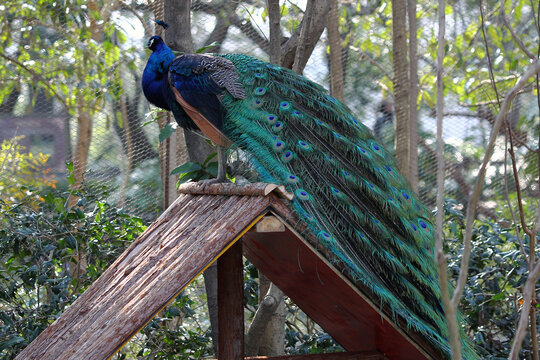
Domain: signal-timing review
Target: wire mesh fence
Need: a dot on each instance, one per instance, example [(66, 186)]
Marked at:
[(123, 151), (70, 76)]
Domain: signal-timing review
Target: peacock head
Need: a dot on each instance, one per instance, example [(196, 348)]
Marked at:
[(153, 42)]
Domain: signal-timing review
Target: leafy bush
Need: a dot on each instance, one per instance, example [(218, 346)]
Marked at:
[(492, 299), (49, 254), (21, 170)]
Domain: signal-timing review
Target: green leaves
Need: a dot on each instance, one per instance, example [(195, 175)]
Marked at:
[(196, 171), (187, 168), (497, 271), (167, 131), (58, 52), (40, 249), (207, 47)]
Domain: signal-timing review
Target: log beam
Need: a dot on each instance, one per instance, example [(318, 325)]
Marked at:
[(231, 304)]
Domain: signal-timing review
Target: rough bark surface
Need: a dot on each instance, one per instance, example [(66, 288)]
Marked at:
[(413, 95), (401, 85), (336, 63)]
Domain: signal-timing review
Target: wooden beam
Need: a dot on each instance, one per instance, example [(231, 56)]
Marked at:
[(356, 355), (328, 297), (270, 223), (231, 304)]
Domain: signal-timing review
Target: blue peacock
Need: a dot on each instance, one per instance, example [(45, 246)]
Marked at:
[(347, 188)]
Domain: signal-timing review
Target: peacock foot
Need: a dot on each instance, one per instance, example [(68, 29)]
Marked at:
[(203, 184)]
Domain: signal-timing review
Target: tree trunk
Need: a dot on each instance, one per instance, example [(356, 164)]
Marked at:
[(413, 96), (401, 86), (272, 342), (334, 40), (82, 147), (318, 12), (274, 17)]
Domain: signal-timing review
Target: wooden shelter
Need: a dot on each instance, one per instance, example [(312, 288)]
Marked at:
[(216, 223)]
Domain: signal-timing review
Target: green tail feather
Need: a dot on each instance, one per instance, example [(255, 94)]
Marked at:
[(348, 189)]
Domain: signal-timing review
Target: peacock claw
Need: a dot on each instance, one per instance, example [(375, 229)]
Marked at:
[(207, 182)]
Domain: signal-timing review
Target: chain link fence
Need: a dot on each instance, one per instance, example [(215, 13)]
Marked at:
[(45, 94), (123, 150)]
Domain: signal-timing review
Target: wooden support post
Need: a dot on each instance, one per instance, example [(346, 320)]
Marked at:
[(231, 304)]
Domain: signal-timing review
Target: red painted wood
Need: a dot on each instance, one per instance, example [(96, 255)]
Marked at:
[(325, 296), (231, 304)]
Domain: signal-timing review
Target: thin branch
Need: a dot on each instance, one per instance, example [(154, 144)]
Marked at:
[(528, 293), (514, 35), (518, 190), (533, 69), (449, 308), (454, 173), (247, 28), (507, 197), (536, 18), (363, 55), (485, 82), (522, 142), (525, 89), (38, 77), (147, 30), (460, 114)]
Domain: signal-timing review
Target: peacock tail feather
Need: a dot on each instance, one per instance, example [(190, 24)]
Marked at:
[(348, 189)]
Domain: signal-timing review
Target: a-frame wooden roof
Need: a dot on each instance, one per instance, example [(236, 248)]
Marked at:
[(190, 235)]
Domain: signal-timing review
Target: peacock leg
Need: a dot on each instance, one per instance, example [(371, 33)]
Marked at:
[(222, 162)]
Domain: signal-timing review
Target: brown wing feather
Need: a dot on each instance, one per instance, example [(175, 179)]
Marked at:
[(202, 122)]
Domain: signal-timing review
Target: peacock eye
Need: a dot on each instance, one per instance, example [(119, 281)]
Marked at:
[(150, 42)]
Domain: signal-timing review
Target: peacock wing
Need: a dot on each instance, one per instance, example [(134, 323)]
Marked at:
[(197, 83)]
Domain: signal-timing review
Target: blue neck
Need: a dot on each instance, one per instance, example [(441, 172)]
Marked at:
[(154, 79)]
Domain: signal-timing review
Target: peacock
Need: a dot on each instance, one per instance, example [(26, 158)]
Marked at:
[(346, 185)]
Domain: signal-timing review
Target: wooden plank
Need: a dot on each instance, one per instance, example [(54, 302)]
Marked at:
[(357, 355), (250, 189), (177, 247), (327, 296), (231, 304)]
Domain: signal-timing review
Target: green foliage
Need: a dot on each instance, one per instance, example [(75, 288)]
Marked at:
[(50, 253), (179, 343), (492, 298), (66, 49), (167, 337), (21, 171), (197, 171), (316, 343), (167, 131)]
